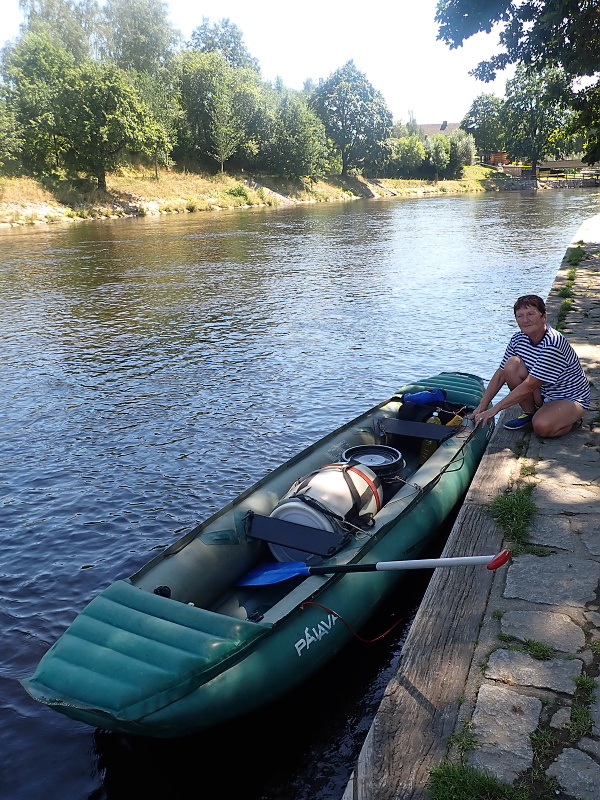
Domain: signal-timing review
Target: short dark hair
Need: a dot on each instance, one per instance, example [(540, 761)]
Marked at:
[(530, 300)]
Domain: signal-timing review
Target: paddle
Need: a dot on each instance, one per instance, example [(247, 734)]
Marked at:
[(276, 573)]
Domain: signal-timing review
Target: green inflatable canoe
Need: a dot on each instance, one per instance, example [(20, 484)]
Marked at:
[(188, 642)]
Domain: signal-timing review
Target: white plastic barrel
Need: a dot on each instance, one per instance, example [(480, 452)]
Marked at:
[(328, 488)]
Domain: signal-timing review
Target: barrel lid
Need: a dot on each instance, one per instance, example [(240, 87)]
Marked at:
[(375, 456)]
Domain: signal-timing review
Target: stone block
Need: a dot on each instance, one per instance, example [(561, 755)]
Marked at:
[(502, 722), (577, 773), (550, 627), (557, 579), (517, 668)]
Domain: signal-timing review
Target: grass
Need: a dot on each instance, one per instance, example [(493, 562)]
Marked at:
[(520, 447), (580, 723), (576, 256), (135, 191), (460, 782), (538, 650), (564, 309), (514, 512)]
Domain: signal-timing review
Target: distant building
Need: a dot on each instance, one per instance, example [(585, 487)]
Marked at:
[(445, 127)]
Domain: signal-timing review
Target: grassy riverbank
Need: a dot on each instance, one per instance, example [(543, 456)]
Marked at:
[(24, 201)]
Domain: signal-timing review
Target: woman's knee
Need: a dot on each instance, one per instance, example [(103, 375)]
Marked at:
[(515, 367)]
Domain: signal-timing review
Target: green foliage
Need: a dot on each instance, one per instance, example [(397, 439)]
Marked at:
[(576, 256), (161, 96), (437, 149), (580, 723), (239, 191), (411, 128), (35, 69), (534, 109), (539, 650), (138, 35), (548, 32), (99, 115), (463, 740), (225, 39), (459, 782), (514, 512), (11, 137), (221, 104), (408, 155), (70, 24), (484, 121), (355, 115), (462, 153), (298, 143), (564, 309)]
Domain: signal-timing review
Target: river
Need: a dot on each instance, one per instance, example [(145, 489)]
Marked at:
[(154, 367)]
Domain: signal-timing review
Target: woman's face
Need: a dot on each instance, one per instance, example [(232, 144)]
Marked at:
[(532, 322)]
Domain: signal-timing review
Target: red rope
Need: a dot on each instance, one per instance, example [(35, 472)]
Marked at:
[(354, 633)]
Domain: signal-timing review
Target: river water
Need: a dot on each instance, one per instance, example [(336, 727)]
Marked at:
[(153, 368)]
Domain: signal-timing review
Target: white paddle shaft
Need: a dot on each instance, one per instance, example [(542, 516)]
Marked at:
[(430, 563)]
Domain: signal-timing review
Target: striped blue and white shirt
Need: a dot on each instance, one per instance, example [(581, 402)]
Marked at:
[(553, 362)]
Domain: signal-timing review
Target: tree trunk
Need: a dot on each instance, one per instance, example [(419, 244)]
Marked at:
[(102, 180)]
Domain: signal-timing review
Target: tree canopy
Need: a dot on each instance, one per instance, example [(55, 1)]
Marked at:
[(564, 33), (354, 113), (535, 114), (484, 121), (89, 83), (225, 39)]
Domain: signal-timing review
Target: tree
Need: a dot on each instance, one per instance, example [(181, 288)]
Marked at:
[(162, 98), (225, 39), (409, 154), (410, 128), (462, 153), (354, 113), (298, 144), (536, 33), (485, 123), (138, 34), (35, 68), (11, 139), (72, 24), (100, 116), (534, 110), (437, 148), (220, 103)]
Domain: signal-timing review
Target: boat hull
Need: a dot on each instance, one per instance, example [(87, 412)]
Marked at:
[(264, 655)]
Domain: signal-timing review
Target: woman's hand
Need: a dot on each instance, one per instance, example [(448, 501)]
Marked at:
[(482, 416)]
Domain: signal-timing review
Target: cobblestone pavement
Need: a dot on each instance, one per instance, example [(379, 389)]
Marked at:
[(550, 599)]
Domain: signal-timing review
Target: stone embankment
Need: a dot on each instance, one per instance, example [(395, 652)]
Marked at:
[(499, 669), (551, 183)]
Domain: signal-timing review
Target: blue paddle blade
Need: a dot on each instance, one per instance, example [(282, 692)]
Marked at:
[(274, 573)]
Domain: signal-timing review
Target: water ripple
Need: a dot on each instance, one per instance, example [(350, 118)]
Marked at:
[(154, 368)]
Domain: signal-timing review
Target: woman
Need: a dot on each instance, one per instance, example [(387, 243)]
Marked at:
[(543, 373)]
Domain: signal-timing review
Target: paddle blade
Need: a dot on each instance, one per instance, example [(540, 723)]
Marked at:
[(274, 573), (499, 560)]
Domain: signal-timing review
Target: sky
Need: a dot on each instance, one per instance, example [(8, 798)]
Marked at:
[(392, 42)]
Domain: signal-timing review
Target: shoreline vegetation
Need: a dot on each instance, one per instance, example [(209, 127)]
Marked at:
[(131, 193)]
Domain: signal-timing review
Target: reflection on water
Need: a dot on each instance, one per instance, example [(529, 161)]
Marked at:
[(154, 368)]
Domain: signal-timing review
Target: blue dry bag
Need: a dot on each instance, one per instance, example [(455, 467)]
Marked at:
[(428, 396)]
